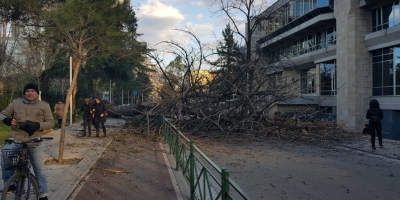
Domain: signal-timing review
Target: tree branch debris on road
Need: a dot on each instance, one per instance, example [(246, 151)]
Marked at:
[(116, 171)]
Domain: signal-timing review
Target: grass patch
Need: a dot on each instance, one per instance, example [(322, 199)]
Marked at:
[(4, 132), (119, 138)]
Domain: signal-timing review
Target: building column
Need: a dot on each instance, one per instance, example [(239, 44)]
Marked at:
[(354, 64)]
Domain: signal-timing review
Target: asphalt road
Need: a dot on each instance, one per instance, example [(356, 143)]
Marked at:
[(283, 171)]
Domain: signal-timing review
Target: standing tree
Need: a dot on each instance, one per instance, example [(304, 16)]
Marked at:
[(229, 73), (245, 13), (228, 51), (18, 19), (125, 73), (86, 28)]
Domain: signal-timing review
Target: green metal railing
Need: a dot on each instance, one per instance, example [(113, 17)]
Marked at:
[(205, 178)]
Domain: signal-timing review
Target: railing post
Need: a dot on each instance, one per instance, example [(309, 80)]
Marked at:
[(169, 138), (164, 129), (191, 173), (225, 184), (177, 151)]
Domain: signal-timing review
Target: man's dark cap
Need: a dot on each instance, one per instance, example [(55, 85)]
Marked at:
[(31, 86)]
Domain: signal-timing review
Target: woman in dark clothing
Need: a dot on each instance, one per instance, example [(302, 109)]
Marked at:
[(87, 109), (375, 115), (100, 116)]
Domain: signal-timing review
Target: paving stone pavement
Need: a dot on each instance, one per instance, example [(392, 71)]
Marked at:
[(63, 179)]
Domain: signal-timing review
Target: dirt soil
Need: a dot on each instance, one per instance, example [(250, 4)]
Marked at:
[(130, 168)]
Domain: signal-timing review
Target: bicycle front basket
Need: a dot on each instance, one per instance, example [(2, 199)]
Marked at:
[(14, 159)]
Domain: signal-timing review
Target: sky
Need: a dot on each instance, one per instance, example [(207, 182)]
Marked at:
[(158, 18)]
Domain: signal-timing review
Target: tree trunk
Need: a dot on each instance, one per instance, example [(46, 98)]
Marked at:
[(76, 68)]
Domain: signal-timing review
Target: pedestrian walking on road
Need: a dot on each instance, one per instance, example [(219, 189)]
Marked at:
[(375, 115), (100, 116), (87, 109), (59, 111), (28, 117)]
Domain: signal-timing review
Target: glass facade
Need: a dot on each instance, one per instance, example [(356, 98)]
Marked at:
[(327, 78), (385, 17), (386, 72), (308, 85), (318, 40), (291, 11), (322, 3)]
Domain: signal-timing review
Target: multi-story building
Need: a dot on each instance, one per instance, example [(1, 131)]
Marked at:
[(345, 52), (10, 50)]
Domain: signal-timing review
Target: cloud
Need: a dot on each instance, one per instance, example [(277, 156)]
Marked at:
[(156, 9), (172, 1), (198, 3), (203, 3), (201, 30), (199, 16), (156, 20)]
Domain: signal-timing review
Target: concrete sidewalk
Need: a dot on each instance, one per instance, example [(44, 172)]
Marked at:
[(390, 150)]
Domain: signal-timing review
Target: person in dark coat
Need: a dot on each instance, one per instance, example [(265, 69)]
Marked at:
[(375, 115), (59, 111), (92, 102), (100, 116), (87, 109)]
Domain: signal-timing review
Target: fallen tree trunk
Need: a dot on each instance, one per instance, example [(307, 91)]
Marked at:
[(129, 110), (126, 110)]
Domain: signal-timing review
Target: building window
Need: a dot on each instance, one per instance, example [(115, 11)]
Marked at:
[(291, 11), (326, 109), (385, 17), (308, 81), (328, 78), (386, 72), (330, 36), (326, 113), (318, 40)]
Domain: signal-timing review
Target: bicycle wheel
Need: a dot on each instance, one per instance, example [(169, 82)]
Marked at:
[(20, 189)]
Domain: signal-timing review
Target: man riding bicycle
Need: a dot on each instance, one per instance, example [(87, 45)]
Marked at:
[(28, 117)]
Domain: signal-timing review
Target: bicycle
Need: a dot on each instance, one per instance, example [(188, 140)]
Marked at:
[(22, 184)]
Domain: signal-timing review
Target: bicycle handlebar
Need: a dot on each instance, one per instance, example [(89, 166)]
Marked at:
[(36, 139)]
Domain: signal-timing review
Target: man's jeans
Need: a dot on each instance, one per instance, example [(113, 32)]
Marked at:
[(37, 161)]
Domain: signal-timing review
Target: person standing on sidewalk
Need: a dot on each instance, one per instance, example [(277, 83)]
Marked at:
[(59, 111), (87, 109), (92, 101), (28, 117), (100, 116), (375, 115)]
